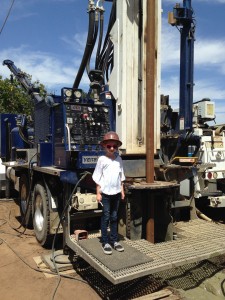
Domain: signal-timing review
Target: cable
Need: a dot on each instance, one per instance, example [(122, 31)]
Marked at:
[(39, 270), (53, 244), (4, 221), (29, 199), (222, 287), (23, 136), (24, 221), (16, 229), (107, 42), (9, 11), (60, 221)]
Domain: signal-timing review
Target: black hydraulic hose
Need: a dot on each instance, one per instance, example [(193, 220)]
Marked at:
[(100, 39), (110, 63), (103, 55), (107, 56), (96, 26), (87, 50), (112, 20)]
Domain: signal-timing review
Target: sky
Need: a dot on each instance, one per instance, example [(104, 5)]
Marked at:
[(46, 39)]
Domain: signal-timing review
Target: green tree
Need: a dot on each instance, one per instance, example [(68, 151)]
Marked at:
[(13, 97)]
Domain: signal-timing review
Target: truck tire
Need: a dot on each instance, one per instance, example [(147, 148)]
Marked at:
[(25, 202), (41, 215)]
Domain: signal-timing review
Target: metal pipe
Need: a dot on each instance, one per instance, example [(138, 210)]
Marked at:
[(68, 137), (140, 74), (150, 40), (186, 67)]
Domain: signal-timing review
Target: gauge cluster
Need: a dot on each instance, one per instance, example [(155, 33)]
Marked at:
[(71, 95)]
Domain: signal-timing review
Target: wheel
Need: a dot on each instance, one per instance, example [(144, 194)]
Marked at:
[(41, 215), (25, 203)]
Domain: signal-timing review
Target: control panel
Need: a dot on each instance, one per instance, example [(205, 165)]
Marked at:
[(87, 123)]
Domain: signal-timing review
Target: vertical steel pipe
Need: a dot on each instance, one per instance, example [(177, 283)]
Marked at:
[(151, 57)]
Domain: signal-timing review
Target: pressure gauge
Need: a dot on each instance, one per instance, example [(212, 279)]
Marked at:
[(77, 93), (105, 110), (68, 93), (89, 108)]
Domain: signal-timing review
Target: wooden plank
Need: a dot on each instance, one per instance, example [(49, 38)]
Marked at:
[(163, 294)]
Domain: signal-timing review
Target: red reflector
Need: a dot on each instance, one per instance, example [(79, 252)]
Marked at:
[(209, 175)]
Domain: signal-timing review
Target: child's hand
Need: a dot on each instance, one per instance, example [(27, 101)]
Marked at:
[(99, 197)]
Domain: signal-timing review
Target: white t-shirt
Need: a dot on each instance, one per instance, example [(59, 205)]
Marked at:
[(108, 174)]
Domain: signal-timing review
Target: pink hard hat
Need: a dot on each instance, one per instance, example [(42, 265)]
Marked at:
[(111, 136)]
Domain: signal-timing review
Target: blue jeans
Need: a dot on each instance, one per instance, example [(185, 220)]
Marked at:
[(109, 217)]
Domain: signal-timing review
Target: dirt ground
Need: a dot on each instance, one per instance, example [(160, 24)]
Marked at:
[(19, 278), (22, 276)]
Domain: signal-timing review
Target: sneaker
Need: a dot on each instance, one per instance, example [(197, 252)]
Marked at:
[(107, 249), (118, 247)]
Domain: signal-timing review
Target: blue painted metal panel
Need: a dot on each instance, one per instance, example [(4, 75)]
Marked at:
[(45, 154), (11, 119), (69, 177), (88, 159)]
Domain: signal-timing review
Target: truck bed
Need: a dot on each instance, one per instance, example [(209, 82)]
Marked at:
[(196, 240)]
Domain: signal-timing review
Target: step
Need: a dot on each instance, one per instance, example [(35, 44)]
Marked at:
[(197, 240)]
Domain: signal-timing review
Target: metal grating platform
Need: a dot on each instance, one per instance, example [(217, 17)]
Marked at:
[(197, 240)]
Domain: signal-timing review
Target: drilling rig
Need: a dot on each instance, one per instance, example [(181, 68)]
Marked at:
[(53, 170)]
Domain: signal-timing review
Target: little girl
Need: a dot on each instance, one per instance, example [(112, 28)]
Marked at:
[(109, 176)]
